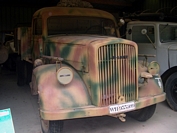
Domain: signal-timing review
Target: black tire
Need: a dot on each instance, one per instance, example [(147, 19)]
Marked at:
[(166, 75), (20, 69), (143, 114), (52, 126), (24, 71), (171, 91)]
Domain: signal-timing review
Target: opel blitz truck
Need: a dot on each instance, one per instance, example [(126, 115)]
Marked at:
[(82, 69), (159, 39)]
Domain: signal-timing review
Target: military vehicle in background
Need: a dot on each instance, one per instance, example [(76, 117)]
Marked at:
[(80, 68), (156, 35), (7, 52)]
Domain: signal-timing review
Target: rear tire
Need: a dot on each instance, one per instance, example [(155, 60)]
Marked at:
[(171, 91), (143, 114), (20, 68), (52, 126)]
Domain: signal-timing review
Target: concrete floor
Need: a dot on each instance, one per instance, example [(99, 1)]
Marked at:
[(25, 115)]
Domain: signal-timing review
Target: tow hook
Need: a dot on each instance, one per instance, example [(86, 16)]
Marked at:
[(120, 116)]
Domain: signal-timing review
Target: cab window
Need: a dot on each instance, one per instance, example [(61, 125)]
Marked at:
[(139, 37)]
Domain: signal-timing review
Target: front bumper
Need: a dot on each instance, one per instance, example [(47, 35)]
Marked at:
[(91, 111)]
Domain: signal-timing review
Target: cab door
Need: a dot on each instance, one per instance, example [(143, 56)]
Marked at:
[(36, 37)]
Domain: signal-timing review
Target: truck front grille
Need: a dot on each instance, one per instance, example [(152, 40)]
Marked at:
[(117, 73)]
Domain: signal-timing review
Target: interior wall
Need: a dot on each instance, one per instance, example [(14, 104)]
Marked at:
[(11, 16), (164, 6)]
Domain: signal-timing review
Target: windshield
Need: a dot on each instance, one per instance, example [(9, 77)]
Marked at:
[(168, 33), (138, 37), (80, 25)]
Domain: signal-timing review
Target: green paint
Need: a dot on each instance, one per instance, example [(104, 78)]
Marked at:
[(24, 31), (70, 99), (129, 91), (154, 100), (66, 50), (50, 47), (76, 113), (84, 61), (26, 53), (133, 61), (138, 104), (41, 103), (94, 92)]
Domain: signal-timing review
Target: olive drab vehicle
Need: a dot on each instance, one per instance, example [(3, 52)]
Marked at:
[(80, 68), (156, 35)]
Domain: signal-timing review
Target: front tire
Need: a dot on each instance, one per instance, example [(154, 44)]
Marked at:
[(171, 91), (143, 114), (52, 126)]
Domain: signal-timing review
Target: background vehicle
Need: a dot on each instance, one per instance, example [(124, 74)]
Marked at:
[(8, 53), (82, 69), (158, 38)]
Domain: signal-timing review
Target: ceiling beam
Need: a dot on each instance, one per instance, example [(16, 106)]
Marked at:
[(110, 2)]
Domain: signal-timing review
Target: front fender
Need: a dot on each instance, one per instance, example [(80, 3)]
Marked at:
[(54, 96), (151, 86)]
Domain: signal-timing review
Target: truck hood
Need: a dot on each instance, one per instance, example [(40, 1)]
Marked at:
[(170, 45), (79, 40), (76, 50), (171, 48)]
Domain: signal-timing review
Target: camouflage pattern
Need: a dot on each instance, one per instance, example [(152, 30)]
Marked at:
[(84, 86), (106, 71)]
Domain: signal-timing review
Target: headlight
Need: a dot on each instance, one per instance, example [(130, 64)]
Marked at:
[(64, 75), (153, 68)]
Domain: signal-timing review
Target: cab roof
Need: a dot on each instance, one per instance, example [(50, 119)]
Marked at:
[(72, 11)]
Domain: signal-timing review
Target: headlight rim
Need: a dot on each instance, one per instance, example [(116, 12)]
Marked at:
[(69, 80)]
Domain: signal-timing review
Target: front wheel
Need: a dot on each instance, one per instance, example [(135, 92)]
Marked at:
[(143, 114), (52, 126), (171, 91)]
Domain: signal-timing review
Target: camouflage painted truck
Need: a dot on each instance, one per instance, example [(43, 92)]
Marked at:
[(82, 69), (158, 37)]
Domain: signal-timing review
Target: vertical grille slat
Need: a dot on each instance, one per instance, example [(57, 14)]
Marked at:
[(117, 73)]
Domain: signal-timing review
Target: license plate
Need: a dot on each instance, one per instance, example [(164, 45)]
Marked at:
[(118, 108)]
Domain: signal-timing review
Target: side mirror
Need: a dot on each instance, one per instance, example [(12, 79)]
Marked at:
[(143, 31)]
